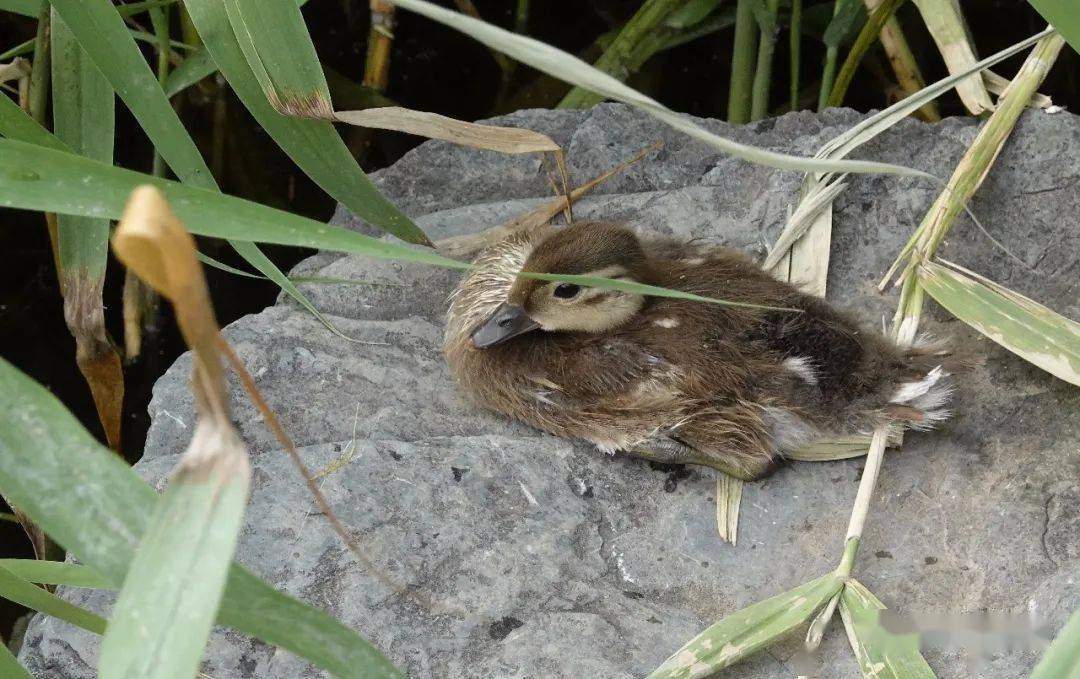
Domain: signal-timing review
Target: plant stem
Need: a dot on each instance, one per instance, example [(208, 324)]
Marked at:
[(969, 174), (795, 45), (380, 37), (742, 63), (159, 17), (39, 76), (521, 17), (638, 39), (867, 37), (903, 61), (976, 162), (759, 106)]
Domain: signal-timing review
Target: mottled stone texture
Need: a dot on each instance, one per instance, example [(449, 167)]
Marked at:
[(572, 564)]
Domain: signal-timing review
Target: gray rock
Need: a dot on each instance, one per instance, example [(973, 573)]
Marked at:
[(572, 564)]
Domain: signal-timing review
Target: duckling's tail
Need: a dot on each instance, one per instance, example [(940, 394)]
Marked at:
[(922, 402)]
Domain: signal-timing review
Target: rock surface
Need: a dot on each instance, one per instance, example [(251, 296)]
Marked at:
[(572, 564)]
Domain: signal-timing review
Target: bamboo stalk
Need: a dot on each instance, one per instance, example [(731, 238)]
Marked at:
[(759, 107), (742, 63)]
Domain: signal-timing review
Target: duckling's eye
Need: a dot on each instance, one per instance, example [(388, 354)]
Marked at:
[(567, 290)]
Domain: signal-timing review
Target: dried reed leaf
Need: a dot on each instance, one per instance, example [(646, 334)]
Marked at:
[(16, 69), (946, 24), (840, 448), (728, 500), (745, 631), (1021, 325), (819, 190), (996, 84), (435, 126)]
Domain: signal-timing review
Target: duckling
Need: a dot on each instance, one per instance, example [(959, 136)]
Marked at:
[(731, 387)]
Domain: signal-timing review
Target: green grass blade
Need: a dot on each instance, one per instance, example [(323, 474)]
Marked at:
[(100, 30), (102, 33), (1023, 326), (14, 588), (1064, 17), (196, 66), (36, 178), (561, 65), (1062, 658), (98, 508), (27, 8), (748, 630), (881, 655), (170, 597), (56, 573), (9, 665), (16, 123), (313, 144), (293, 76), (83, 118)]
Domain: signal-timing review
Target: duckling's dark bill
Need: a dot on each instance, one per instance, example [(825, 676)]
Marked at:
[(509, 320)]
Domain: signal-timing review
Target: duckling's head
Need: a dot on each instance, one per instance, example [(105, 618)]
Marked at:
[(587, 249)]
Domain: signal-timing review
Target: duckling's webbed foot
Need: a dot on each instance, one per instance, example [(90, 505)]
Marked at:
[(666, 450)]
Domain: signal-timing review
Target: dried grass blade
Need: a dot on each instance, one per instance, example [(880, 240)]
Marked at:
[(728, 500), (435, 126), (881, 654), (996, 84), (980, 156), (946, 24), (826, 450), (1021, 325)]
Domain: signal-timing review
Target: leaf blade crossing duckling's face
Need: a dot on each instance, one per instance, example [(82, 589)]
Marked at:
[(590, 249)]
